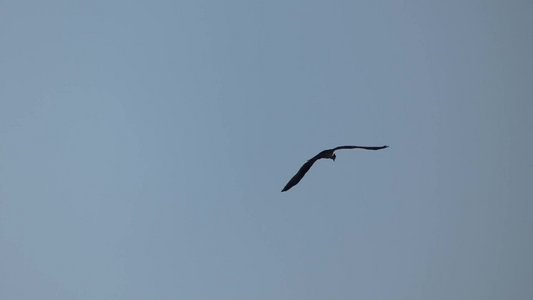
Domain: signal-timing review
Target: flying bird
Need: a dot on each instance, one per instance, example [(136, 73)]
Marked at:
[(329, 153)]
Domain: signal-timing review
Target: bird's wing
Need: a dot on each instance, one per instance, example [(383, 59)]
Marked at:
[(360, 147), (299, 175)]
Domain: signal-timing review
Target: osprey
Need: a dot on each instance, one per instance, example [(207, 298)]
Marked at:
[(329, 153)]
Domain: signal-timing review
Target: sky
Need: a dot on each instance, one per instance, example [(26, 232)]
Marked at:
[(144, 145)]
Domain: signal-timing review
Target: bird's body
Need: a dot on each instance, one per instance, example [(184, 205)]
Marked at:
[(328, 153)]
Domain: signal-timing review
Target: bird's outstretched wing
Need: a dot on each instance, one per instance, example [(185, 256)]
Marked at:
[(298, 176), (360, 147)]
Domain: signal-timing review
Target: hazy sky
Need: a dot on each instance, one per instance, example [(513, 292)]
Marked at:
[(144, 144)]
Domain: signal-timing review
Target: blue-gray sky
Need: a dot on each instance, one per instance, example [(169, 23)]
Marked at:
[(144, 144)]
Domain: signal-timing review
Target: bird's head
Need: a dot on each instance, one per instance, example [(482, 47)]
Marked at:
[(333, 156)]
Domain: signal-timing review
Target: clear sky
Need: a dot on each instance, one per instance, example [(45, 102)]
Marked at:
[(144, 145)]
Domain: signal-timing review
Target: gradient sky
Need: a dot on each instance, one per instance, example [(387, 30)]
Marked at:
[(144, 144)]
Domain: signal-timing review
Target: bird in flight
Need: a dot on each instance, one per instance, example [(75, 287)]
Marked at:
[(329, 153)]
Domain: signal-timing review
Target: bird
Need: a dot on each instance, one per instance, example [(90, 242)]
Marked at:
[(328, 153)]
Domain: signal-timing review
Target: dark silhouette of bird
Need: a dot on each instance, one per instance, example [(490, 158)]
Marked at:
[(329, 153)]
